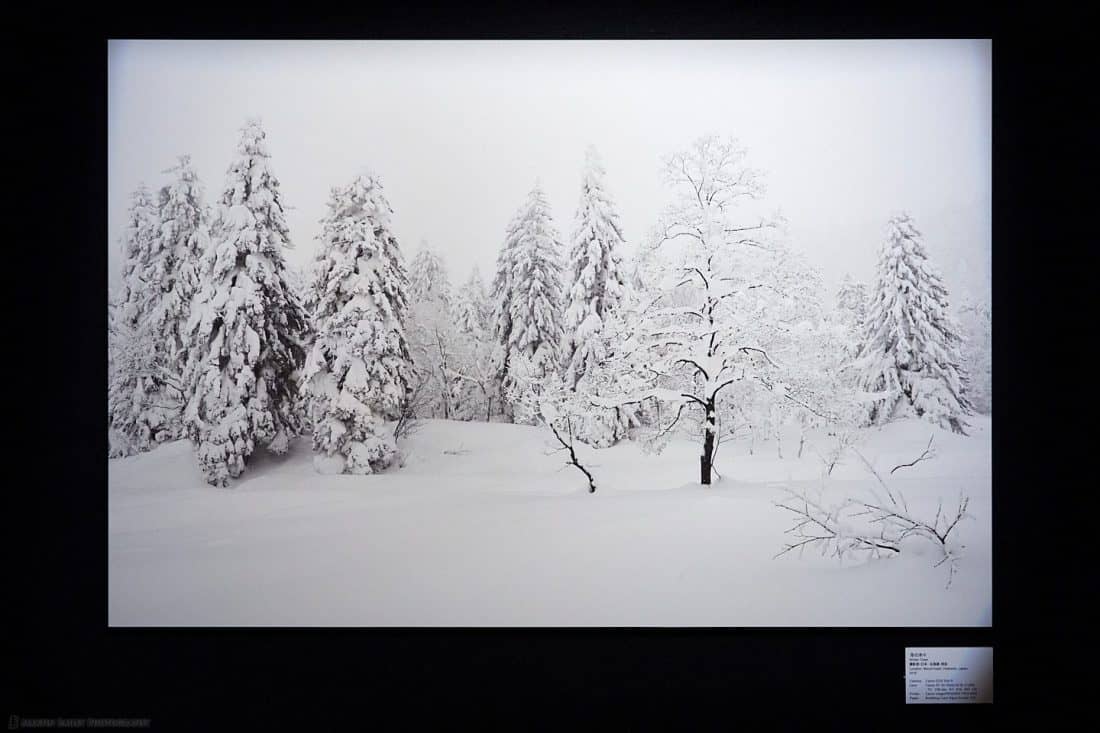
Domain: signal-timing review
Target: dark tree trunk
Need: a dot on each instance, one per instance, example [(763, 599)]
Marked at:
[(708, 445)]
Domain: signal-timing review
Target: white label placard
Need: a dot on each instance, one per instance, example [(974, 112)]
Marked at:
[(948, 674)]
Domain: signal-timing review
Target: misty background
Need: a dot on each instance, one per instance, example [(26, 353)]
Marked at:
[(847, 132)]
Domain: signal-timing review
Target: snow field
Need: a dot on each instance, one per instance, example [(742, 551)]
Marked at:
[(484, 526)]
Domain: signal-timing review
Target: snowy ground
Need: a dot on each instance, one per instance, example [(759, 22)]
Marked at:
[(482, 528)]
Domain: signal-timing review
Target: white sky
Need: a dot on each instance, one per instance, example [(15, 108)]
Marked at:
[(847, 131)]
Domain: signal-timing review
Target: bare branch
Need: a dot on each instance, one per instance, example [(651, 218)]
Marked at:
[(573, 455), (928, 453)]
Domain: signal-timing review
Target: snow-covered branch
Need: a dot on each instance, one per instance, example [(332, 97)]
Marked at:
[(858, 527)]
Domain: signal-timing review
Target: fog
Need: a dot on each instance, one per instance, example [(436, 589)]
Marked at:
[(848, 132)]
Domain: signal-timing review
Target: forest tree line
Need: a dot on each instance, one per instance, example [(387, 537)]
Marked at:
[(715, 327)]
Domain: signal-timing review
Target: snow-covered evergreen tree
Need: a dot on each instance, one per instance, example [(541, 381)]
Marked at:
[(118, 443), (428, 277), (527, 289), (113, 448), (977, 330), (910, 360), (848, 317), (185, 237), (472, 309), (433, 335), (143, 394), (358, 371), (138, 242), (851, 302), (503, 291), (247, 328), (476, 394), (597, 278), (299, 281)]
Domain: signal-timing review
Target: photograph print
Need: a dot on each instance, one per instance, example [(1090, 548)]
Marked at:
[(549, 333)]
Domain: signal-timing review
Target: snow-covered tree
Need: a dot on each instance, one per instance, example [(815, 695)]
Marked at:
[(118, 443), (842, 344), (358, 370), (428, 278), (976, 320), (299, 280), (477, 393), (160, 276), (503, 291), (597, 278), (851, 303), (603, 425), (143, 396), (911, 361), (527, 292), (473, 312), (115, 443), (184, 238), (247, 328), (728, 303), (821, 379), (433, 334), (138, 241)]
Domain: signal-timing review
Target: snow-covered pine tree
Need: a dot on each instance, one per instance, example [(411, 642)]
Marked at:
[(528, 292), (598, 282), (851, 302), (118, 444), (977, 352), (849, 315), (501, 319), (428, 277), (472, 310), (299, 281), (910, 360), (247, 328), (476, 394), (358, 371), (433, 335), (137, 243), (184, 234), (142, 402)]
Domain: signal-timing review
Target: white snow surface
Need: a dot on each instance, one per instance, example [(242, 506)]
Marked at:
[(485, 526)]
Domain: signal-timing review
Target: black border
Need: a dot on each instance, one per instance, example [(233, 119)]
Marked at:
[(65, 661)]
